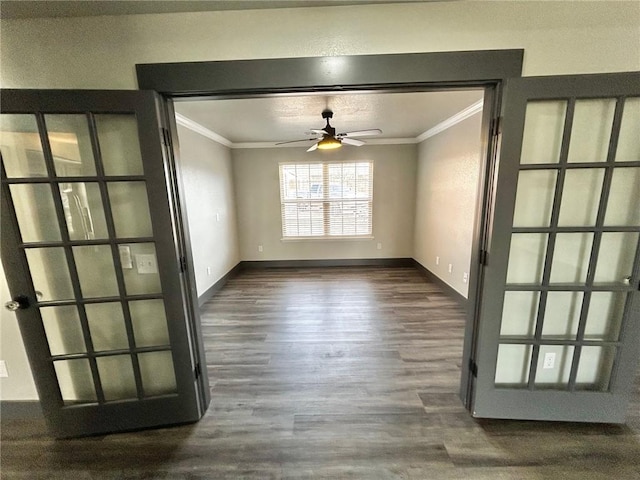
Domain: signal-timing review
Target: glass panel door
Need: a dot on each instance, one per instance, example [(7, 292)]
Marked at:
[(559, 328), (106, 330)]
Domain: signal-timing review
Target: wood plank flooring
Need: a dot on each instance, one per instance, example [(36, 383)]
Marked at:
[(340, 373)]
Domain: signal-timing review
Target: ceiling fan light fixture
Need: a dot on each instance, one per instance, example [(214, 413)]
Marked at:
[(329, 143)]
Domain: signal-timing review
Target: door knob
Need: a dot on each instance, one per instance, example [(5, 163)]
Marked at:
[(17, 303)]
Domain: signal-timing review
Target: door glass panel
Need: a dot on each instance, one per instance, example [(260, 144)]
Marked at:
[(615, 259), (130, 209), (605, 316), (581, 197), (512, 366), (116, 376), (628, 145), (526, 258), (534, 198), (543, 127), (35, 212), (50, 273), (21, 147), (83, 211), (70, 144), (63, 329), (106, 324), (623, 208), (554, 366), (149, 323), (142, 277), (75, 381), (562, 315), (519, 314), (119, 144), (594, 369), (571, 258), (96, 271), (591, 130), (156, 370)]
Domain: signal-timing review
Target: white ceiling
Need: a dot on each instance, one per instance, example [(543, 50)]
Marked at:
[(284, 118), (84, 8)]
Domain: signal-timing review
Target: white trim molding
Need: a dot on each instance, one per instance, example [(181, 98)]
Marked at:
[(451, 121), (204, 131)]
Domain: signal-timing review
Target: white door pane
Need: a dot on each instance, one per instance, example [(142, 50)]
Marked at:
[(35, 212), (543, 127), (519, 314), (512, 366), (623, 207), (75, 381), (591, 130), (106, 324), (581, 197), (117, 378), (95, 271), (571, 258), (534, 198), (70, 144), (615, 259), (119, 144), (554, 366), (526, 258), (50, 273), (594, 369), (20, 145), (629, 141)]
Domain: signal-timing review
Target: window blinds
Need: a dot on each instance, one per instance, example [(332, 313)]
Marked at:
[(327, 199)]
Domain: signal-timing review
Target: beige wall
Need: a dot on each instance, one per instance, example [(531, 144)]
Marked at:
[(258, 196), (208, 187), (446, 196)]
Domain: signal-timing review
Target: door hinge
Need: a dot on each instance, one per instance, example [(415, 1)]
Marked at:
[(484, 257), (496, 126), (166, 138), (197, 371), (473, 368), (183, 264)]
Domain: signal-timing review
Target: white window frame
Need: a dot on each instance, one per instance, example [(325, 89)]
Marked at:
[(328, 225)]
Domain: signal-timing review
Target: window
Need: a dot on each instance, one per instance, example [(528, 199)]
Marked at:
[(329, 199)]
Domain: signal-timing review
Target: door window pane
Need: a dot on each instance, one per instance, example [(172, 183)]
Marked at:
[(628, 144), (75, 381), (149, 323), (543, 127), (594, 369), (119, 144), (83, 211), (554, 367), (130, 209), (571, 258), (63, 330), (581, 197), (21, 147), (519, 314), (116, 376), (70, 145), (50, 273), (562, 315), (96, 271), (615, 259), (591, 130), (605, 316), (623, 208), (143, 275), (106, 324), (35, 212), (526, 258), (156, 370), (512, 366), (534, 198)]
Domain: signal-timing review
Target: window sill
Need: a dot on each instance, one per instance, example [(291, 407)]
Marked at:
[(325, 239)]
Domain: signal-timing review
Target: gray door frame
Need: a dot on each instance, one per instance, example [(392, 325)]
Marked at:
[(487, 69), (188, 405)]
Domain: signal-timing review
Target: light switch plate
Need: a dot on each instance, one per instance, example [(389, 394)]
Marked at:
[(146, 263), (3, 369)]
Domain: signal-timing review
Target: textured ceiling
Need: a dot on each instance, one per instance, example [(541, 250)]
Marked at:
[(283, 118), (83, 8)]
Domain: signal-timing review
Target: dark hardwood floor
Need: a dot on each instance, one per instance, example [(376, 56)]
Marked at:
[(337, 373)]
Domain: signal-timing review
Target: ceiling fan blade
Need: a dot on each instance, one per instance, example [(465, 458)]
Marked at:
[(319, 132), (313, 147), (352, 141), (294, 141), (361, 133)]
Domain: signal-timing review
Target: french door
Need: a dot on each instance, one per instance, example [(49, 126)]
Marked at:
[(559, 322), (91, 251)]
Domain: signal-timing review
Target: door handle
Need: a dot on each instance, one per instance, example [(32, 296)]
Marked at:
[(18, 303), (627, 280)]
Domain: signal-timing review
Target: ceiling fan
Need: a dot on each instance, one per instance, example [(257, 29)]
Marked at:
[(327, 138)]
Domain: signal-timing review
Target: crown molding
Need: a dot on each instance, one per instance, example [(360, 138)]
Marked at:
[(204, 131), (451, 121)]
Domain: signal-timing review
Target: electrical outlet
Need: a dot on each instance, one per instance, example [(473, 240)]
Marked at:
[(465, 277), (437, 260), (549, 360), (146, 263), (379, 246), (260, 248), (450, 268), (3, 369)]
